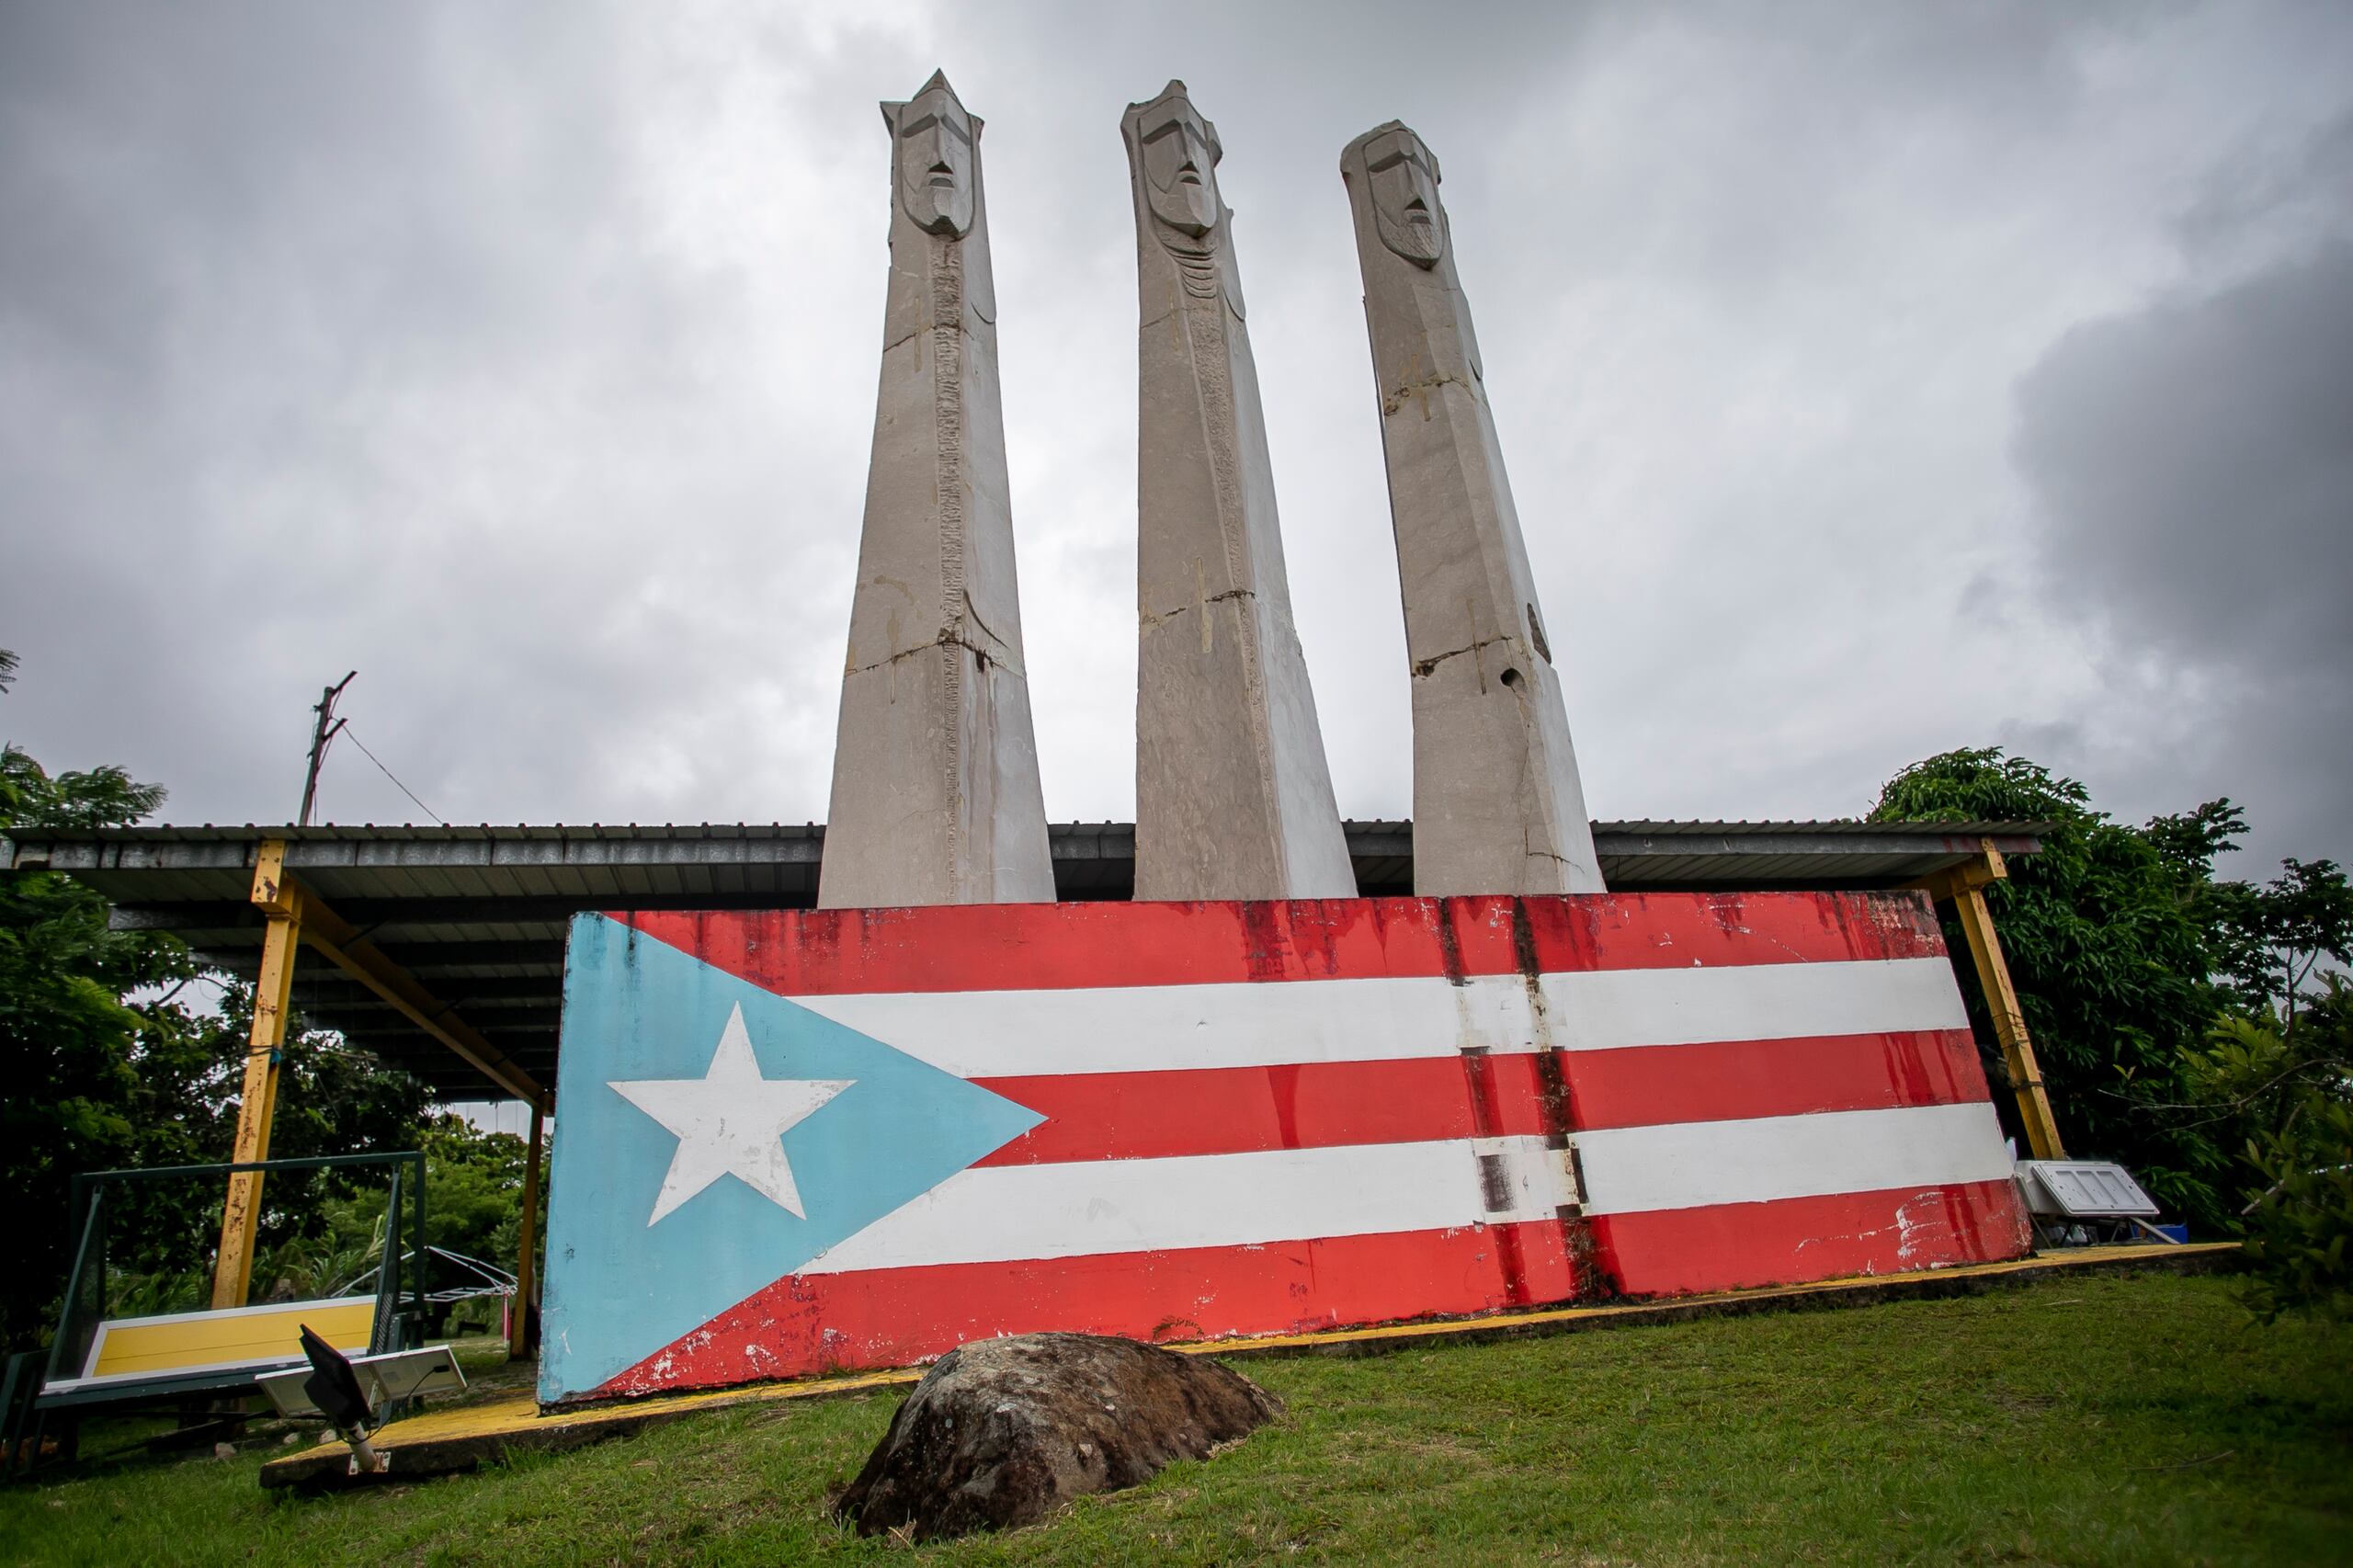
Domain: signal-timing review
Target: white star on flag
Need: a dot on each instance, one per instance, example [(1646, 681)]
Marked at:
[(730, 1122)]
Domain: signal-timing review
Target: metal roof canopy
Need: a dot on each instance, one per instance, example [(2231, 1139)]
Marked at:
[(479, 914)]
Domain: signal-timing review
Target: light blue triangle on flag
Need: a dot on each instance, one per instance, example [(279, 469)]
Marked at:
[(620, 1289)]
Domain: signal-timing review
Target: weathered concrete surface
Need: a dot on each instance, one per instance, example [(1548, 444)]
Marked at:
[(1233, 799), (1497, 806), (935, 796), (1003, 1432)]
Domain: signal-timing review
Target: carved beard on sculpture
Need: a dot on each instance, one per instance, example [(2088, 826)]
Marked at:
[(935, 152), (1180, 155), (1405, 207)]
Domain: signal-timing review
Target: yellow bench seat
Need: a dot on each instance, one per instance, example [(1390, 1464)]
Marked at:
[(128, 1350)]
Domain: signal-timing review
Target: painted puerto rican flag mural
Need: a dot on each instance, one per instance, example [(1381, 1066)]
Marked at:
[(801, 1141)]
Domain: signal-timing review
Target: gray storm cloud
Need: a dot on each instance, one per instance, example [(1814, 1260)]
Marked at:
[(2192, 462), (2196, 462), (1871, 379)]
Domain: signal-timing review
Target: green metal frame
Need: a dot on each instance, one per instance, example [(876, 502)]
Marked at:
[(396, 1327)]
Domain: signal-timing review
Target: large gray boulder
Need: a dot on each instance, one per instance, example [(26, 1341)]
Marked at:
[(1002, 1432)]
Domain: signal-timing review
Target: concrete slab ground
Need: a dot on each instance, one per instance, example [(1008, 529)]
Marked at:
[(444, 1442)]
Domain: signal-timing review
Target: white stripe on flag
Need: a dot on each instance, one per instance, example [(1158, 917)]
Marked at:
[(1002, 1213), (1005, 1213), (1003, 1034), (1699, 1165)]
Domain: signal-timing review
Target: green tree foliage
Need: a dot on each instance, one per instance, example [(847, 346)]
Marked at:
[(476, 1182), (473, 1185), (2106, 942), (2174, 1014), (2275, 936), (107, 1061), (70, 1087), (2299, 1233), (332, 1099), (2276, 1079), (2292, 1087), (188, 1068)]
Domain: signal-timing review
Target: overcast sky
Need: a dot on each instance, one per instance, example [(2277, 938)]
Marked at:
[(1874, 380)]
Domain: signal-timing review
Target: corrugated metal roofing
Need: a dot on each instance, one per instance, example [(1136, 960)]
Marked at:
[(247, 833), (478, 913)]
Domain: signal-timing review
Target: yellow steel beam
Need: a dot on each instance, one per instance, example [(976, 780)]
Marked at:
[(340, 941), (1964, 885), (281, 905), (2009, 1023), (519, 1335)]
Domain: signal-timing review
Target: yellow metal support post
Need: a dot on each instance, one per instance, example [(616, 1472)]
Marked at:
[(1965, 885), (526, 1283), (281, 905)]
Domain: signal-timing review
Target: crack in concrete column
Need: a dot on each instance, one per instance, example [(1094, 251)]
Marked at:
[(936, 796), (1494, 772), (1234, 796)]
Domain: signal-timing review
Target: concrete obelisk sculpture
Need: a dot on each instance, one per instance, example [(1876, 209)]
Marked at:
[(1497, 807), (936, 796), (1233, 799)]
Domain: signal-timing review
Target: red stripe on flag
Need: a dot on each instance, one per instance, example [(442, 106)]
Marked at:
[(1739, 1079), (822, 952), (889, 1317), (1228, 1110), (1670, 1252), (1225, 1110)]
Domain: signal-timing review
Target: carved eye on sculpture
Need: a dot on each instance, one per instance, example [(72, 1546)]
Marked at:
[(1180, 155), (1405, 207), (934, 152)]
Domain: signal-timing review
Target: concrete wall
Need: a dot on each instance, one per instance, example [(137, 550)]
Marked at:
[(800, 1141)]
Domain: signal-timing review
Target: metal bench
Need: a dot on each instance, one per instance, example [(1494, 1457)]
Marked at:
[(239, 1344), (96, 1361)]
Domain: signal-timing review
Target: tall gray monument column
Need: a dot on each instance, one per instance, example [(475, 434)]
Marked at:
[(1233, 799), (936, 796), (1497, 808)]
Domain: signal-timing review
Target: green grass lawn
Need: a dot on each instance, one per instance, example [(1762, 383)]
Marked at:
[(2091, 1420)]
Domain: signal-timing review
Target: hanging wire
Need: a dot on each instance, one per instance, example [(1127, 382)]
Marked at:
[(388, 773)]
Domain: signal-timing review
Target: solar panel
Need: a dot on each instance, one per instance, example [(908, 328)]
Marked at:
[(2084, 1189)]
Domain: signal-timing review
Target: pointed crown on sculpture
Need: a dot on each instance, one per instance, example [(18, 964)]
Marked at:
[(1177, 153), (1402, 180), (936, 145)]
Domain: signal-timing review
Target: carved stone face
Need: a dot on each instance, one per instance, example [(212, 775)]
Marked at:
[(1180, 155), (934, 159), (1405, 207)]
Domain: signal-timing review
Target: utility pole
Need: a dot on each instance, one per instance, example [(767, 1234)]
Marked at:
[(324, 731)]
